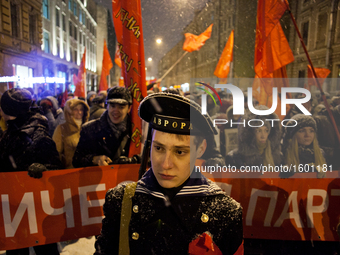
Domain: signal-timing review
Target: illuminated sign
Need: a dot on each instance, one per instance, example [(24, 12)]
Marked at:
[(32, 79)]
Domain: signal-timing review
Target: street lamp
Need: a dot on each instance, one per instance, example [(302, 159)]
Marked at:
[(149, 59), (159, 41)]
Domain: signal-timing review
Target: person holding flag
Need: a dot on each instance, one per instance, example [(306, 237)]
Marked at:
[(107, 139)]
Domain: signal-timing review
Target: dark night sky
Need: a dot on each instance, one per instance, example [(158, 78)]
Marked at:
[(163, 19)]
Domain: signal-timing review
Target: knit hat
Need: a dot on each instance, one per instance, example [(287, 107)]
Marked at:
[(15, 102), (90, 94), (302, 121), (99, 99)]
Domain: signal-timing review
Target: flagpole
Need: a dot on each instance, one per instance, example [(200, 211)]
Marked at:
[(314, 73), (169, 70)]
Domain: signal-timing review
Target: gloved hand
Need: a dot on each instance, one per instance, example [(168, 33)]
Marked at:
[(35, 170), (101, 160), (135, 159)]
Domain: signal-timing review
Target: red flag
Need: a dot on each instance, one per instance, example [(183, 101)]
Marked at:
[(65, 95), (263, 89), (106, 67), (195, 42), (272, 50), (223, 65), (118, 61), (321, 74), (80, 80), (127, 19)]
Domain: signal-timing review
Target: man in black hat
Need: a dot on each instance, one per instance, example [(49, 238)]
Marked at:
[(170, 210), (107, 140), (98, 107), (26, 146)]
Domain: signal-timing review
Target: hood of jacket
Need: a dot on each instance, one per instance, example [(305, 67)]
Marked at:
[(246, 135), (54, 102), (69, 106), (29, 123)]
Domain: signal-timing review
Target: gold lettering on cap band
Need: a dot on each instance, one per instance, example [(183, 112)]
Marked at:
[(172, 124)]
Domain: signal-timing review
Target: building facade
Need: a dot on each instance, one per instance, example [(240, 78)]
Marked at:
[(226, 15), (69, 26), (20, 40), (318, 22), (319, 25)]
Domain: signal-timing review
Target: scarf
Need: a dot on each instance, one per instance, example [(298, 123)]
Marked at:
[(119, 128)]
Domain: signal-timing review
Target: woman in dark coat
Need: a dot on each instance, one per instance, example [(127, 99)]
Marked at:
[(301, 147), (257, 145)]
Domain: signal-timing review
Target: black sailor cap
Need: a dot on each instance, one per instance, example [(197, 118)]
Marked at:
[(175, 114)]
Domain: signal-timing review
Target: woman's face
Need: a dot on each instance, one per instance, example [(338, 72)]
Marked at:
[(78, 112), (305, 136), (261, 134)]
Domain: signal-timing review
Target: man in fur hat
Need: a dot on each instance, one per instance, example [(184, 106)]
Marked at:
[(107, 140), (170, 210)]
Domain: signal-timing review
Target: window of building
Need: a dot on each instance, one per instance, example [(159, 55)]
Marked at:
[(75, 33), (305, 28), (70, 27), (57, 17), (64, 22), (302, 75), (71, 53), (322, 29), (84, 41), (230, 23), (75, 56), (80, 15), (64, 50), (46, 42), (80, 37), (84, 17), (32, 28), (75, 8), (14, 20), (70, 5), (58, 47), (46, 9)]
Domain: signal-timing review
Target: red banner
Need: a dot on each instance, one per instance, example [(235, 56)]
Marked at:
[(62, 205), (67, 205), (127, 19)]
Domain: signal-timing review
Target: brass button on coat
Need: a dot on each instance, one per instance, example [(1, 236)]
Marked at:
[(135, 209), (135, 236), (204, 218)]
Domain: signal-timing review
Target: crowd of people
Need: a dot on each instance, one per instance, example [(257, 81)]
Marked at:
[(37, 134), (312, 141)]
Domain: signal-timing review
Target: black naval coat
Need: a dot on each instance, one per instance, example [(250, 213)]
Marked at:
[(160, 226)]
